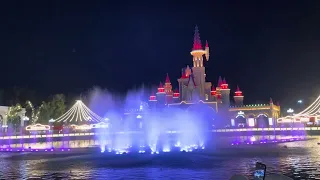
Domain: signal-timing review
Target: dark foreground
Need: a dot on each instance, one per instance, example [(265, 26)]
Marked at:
[(299, 160)]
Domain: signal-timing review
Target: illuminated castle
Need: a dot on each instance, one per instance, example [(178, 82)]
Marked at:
[(194, 90)]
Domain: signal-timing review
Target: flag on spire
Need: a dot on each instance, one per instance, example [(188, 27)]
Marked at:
[(196, 40)]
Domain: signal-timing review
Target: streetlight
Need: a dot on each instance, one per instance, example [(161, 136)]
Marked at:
[(25, 118), (290, 110), (300, 101)]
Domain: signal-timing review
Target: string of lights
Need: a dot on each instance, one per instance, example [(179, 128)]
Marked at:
[(79, 112), (34, 112), (312, 110)]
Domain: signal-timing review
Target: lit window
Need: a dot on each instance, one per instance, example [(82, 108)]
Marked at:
[(207, 97), (232, 122), (251, 122)]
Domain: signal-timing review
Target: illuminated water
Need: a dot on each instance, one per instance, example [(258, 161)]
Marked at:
[(300, 160)]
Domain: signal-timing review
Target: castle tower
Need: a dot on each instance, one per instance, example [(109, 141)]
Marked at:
[(207, 50), (168, 90), (225, 93), (218, 90), (238, 97), (213, 94), (152, 100), (176, 96), (161, 95), (198, 69)]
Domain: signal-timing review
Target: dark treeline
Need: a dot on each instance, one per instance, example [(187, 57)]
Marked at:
[(20, 95)]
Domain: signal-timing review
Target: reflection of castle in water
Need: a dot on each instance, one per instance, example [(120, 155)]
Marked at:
[(197, 95)]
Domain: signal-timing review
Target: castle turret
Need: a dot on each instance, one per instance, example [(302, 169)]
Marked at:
[(225, 93), (198, 69), (176, 96), (213, 94), (161, 95), (218, 90), (207, 51), (238, 97), (152, 100), (168, 90)]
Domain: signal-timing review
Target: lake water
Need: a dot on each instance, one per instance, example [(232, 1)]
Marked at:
[(300, 160)]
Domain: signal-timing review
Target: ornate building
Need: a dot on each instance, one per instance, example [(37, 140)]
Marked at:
[(196, 94), (4, 119)]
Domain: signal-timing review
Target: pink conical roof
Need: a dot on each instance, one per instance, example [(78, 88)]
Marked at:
[(238, 89), (168, 79), (196, 40), (207, 45), (213, 88), (160, 85), (224, 81)]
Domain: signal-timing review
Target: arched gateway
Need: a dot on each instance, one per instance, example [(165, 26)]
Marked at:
[(205, 115), (262, 121)]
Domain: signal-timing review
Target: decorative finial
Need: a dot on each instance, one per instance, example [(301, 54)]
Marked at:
[(271, 102)]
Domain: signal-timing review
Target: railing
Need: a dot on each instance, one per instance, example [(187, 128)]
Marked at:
[(170, 132)]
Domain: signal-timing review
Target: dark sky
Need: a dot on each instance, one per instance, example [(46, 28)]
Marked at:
[(269, 48)]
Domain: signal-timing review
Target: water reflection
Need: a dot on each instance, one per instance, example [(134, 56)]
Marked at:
[(96, 142), (301, 160)]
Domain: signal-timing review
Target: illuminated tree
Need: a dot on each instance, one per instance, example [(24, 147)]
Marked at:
[(34, 112), (48, 110), (58, 106), (13, 115)]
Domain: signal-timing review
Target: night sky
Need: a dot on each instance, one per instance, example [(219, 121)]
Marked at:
[(269, 48)]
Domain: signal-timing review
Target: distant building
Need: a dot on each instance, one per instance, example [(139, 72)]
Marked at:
[(3, 116), (196, 94)]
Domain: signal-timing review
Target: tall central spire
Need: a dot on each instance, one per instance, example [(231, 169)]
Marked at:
[(196, 40)]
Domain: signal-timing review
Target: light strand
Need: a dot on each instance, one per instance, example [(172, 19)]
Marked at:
[(79, 112)]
